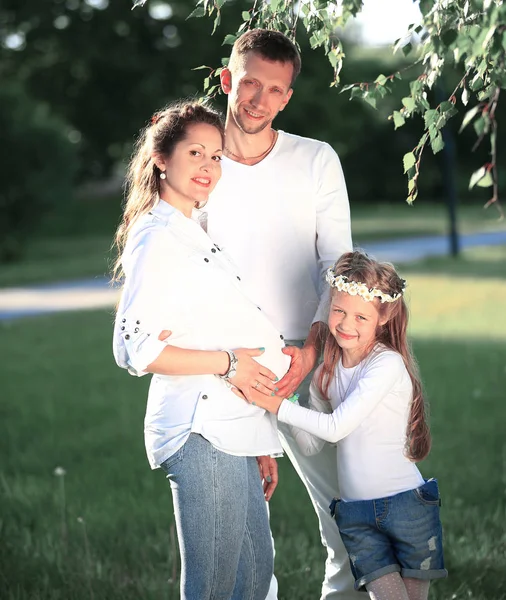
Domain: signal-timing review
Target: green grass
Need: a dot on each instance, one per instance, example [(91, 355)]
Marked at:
[(76, 243), (104, 530)]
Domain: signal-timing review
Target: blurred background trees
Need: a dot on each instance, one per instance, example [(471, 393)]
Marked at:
[(80, 77)]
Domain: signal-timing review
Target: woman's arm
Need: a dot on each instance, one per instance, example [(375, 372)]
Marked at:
[(150, 294)]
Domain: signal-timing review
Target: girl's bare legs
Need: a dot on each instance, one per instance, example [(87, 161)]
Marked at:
[(388, 587), (418, 589)]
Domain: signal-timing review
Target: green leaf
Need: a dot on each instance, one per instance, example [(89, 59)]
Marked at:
[(370, 98), (317, 39), (398, 119), (332, 59), (437, 143), (356, 92), (468, 117), (217, 22), (207, 81), (476, 83), (138, 3), (275, 4), (486, 180), (201, 67), (489, 36), (220, 3), (245, 15), (380, 80), (200, 11), (229, 39), (345, 88), (430, 117), (408, 160), (409, 103), (476, 176), (480, 125), (407, 49), (382, 91)]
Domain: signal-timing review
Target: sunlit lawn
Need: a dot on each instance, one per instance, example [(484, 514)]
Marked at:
[(104, 530)]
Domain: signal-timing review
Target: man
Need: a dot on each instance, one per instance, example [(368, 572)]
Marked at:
[(281, 211)]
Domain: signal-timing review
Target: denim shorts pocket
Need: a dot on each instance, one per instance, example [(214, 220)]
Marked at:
[(428, 493)]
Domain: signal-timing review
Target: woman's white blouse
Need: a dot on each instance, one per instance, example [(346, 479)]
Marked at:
[(177, 279)]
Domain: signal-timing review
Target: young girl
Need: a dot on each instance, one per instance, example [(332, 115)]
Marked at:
[(177, 279), (367, 397)]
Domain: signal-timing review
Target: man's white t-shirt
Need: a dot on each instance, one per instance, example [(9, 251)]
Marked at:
[(284, 221)]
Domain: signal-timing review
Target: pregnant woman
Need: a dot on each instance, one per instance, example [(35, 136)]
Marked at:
[(175, 278)]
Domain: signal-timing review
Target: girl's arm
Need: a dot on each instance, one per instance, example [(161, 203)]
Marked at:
[(378, 378), (308, 443)]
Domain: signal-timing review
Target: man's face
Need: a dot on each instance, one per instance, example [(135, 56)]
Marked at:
[(257, 90)]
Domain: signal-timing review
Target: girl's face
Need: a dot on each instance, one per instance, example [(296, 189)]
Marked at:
[(354, 322), (193, 169)]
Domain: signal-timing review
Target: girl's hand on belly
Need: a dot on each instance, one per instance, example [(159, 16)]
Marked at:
[(267, 402)]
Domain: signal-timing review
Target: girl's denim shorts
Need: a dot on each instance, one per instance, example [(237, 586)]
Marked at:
[(400, 533)]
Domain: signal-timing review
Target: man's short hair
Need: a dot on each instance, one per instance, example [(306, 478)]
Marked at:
[(270, 45)]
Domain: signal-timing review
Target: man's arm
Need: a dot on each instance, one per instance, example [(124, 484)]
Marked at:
[(333, 238)]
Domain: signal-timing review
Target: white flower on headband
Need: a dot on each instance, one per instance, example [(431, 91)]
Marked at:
[(354, 288)]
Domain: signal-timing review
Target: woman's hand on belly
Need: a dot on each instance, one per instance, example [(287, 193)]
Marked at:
[(251, 377)]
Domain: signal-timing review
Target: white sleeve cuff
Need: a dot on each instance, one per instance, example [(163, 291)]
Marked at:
[(142, 350), (284, 411)]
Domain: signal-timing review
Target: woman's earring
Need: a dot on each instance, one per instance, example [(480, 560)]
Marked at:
[(162, 175)]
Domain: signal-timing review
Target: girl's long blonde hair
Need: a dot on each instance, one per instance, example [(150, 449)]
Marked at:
[(357, 266), (142, 186)]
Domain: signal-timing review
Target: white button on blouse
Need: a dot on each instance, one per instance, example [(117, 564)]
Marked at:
[(176, 278)]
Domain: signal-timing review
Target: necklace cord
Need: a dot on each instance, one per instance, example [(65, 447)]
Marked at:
[(240, 157)]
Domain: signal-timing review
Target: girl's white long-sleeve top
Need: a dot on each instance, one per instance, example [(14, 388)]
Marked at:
[(368, 424), (176, 278)]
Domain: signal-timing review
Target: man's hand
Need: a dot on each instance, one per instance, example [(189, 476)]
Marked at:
[(268, 468), (303, 360)]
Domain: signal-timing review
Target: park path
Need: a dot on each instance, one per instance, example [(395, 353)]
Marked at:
[(97, 293)]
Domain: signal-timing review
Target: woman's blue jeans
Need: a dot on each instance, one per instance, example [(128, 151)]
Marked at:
[(222, 523)]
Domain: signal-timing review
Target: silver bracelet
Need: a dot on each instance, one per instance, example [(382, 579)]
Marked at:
[(232, 367)]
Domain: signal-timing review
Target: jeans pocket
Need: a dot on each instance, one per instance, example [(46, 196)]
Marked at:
[(173, 459), (428, 493)]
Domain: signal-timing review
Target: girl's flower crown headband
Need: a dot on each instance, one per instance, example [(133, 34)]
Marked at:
[(354, 288)]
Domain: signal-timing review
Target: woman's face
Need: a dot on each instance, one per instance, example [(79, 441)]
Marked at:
[(193, 169)]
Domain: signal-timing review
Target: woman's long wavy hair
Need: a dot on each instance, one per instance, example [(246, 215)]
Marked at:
[(166, 128), (357, 266)]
